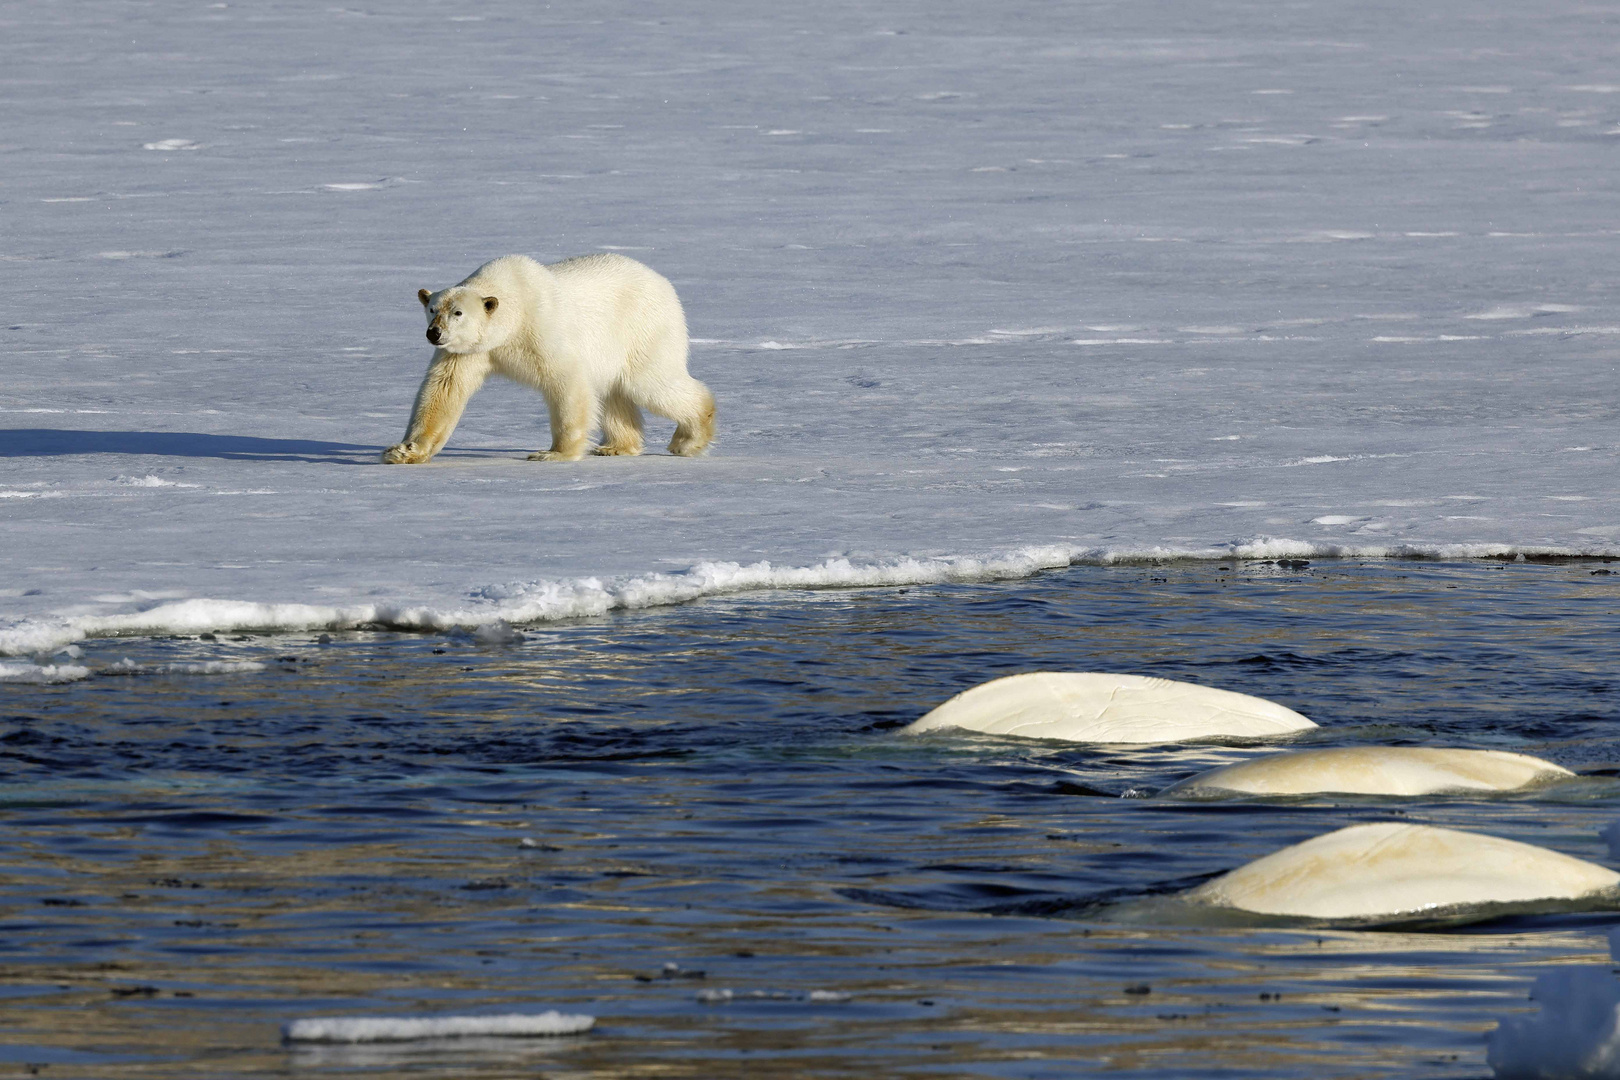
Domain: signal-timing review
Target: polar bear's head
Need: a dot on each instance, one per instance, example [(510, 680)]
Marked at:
[(460, 320)]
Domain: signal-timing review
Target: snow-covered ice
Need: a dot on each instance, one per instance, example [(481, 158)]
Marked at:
[(979, 290), (361, 1029)]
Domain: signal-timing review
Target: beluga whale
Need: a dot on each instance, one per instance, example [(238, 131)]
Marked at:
[(1395, 872), (1096, 707), (1372, 770)]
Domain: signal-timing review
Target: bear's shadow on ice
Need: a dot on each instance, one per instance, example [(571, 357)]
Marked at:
[(56, 442)]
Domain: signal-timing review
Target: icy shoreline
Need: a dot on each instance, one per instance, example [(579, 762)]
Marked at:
[(532, 602)]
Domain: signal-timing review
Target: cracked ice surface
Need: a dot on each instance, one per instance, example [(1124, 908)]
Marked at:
[(979, 289)]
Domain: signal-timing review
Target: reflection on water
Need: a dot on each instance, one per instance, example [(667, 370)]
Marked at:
[(390, 825)]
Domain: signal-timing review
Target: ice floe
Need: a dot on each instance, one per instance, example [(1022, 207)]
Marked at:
[(360, 1029), (127, 666), (962, 321), (723, 995)]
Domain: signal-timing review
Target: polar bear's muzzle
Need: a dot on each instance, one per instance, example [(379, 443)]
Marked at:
[(433, 334)]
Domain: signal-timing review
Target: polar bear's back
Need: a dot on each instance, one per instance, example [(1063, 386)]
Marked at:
[(605, 285), (611, 271), (621, 287), (623, 307), (608, 317)]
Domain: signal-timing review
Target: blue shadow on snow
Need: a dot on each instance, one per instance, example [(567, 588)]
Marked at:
[(56, 442)]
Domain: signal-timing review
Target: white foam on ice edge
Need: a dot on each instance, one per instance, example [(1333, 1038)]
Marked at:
[(42, 673), (365, 1029), (1575, 1036), (545, 601)]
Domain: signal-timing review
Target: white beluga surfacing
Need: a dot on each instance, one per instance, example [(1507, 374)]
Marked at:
[(1377, 874), (1096, 707), (1390, 871), (1373, 770)]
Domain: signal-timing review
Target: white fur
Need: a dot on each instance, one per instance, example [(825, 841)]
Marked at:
[(601, 336)]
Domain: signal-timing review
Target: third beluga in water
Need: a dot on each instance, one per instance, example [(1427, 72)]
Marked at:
[(1390, 871)]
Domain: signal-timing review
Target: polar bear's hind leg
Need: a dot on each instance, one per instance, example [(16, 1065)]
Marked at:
[(693, 414), (656, 379), (621, 426)]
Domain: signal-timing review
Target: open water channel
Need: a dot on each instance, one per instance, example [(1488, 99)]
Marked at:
[(630, 816)]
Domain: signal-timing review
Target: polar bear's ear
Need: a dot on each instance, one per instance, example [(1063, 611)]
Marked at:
[(422, 295), (490, 304)]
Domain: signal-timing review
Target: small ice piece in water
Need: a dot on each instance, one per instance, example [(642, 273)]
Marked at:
[(818, 997), (1094, 707), (1575, 1036), (362, 1029), (126, 666), (1373, 770), (499, 632), (1390, 870)]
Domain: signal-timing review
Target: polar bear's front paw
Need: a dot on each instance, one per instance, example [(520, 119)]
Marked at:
[(405, 453), (555, 455), (610, 450)]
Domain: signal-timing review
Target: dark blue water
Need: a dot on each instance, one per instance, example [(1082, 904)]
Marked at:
[(407, 824)]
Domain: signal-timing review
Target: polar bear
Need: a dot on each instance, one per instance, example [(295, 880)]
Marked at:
[(601, 336)]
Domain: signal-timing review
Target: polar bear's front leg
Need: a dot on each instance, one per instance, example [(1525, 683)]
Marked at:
[(451, 379), (570, 409)]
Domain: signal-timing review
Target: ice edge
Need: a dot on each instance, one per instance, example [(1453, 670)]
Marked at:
[(549, 601)]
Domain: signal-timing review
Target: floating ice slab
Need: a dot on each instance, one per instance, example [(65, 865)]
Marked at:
[(1389, 870), (960, 365), (363, 1029), (1095, 707), (1576, 1036), (1373, 770)]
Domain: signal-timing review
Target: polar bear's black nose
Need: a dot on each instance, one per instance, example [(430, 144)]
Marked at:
[(433, 334)]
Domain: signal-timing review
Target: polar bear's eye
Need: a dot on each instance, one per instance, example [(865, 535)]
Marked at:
[(457, 314)]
